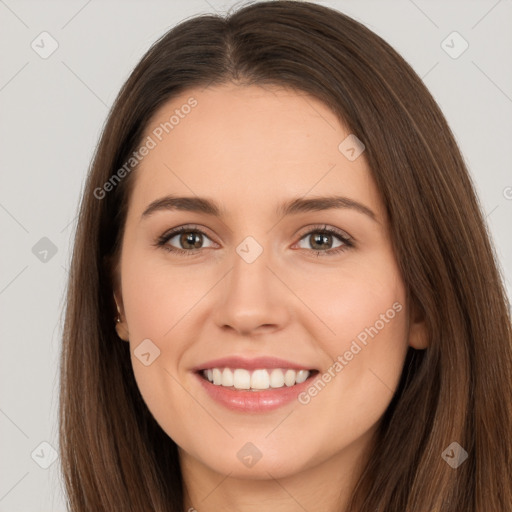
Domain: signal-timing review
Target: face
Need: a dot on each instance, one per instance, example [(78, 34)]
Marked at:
[(310, 292)]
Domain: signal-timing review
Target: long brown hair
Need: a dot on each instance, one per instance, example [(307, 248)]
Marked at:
[(115, 456)]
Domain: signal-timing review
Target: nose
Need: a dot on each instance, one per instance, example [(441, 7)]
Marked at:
[(254, 300)]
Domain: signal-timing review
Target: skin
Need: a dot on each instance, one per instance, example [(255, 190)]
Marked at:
[(250, 149)]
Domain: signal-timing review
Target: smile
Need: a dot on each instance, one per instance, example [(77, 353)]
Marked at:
[(256, 380)]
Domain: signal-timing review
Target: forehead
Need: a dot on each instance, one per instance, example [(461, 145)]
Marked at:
[(249, 146)]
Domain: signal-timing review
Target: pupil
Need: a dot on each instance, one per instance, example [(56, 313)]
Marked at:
[(322, 238), (188, 238)]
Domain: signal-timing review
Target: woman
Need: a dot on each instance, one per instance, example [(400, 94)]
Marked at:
[(282, 292)]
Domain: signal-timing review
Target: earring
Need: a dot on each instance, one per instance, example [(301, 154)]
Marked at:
[(121, 329)]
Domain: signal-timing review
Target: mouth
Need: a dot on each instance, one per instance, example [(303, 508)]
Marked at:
[(253, 385), (257, 380)]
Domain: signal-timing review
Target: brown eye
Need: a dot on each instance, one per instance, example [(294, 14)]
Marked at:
[(190, 240), (184, 240), (323, 241)]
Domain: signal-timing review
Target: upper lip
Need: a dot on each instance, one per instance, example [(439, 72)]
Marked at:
[(250, 364)]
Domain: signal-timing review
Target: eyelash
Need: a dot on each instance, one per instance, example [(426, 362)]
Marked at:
[(163, 239)]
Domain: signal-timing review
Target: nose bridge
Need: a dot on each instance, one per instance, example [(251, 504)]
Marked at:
[(253, 296), (250, 266)]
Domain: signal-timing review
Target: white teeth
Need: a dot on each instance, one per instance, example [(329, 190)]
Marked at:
[(276, 378), (227, 377), (260, 379), (289, 377), (217, 376), (302, 375), (241, 379)]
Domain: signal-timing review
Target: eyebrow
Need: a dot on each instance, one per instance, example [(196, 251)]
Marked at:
[(292, 207)]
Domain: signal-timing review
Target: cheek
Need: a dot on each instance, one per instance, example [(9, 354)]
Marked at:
[(158, 295), (159, 305), (365, 316), (364, 338), (363, 302)]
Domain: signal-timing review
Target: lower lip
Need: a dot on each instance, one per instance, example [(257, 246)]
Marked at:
[(254, 401)]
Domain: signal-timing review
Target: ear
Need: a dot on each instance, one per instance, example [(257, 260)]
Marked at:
[(121, 324), (418, 335)]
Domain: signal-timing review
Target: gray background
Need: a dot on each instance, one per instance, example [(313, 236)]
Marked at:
[(52, 111)]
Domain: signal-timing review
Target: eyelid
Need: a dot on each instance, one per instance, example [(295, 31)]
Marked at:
[(162, 240), (347, 240), (326, 227), (186, 227)]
